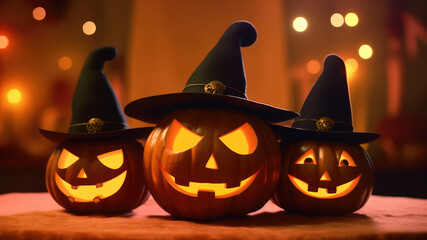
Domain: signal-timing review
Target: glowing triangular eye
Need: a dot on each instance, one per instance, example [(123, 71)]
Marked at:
[(346, 160), (179, 138), (66, 159), (242, 140), (307, 158), (113, 159)]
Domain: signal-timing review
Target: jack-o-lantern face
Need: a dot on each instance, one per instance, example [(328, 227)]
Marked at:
[(211, 163), (324, 177), (84, 192), (97, 175)]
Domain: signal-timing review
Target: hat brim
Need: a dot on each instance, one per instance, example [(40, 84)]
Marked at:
[(296, 134), (152, 109), (135, 133)]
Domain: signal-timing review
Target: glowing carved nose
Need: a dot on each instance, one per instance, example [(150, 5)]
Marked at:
[(82, 174), (325, 177), (211, 164)]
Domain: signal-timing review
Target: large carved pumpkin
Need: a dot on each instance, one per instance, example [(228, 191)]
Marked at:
[(97, 176), (209, 163), (320, 177)]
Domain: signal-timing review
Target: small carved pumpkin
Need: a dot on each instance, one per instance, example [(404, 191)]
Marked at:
[(320, 177), (97, 176), (210, 163)]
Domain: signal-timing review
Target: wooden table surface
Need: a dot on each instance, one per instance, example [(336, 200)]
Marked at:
[(38, 216)]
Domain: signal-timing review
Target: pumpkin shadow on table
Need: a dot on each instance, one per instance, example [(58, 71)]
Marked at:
[(99, 215), (281, 218)]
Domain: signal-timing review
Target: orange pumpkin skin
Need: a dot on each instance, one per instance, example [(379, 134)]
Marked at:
[(190, 166), (332, 158), (127, 195)]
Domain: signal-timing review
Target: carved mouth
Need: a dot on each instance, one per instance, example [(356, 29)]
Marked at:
[(90, 193), (219, 189), (324, 193)]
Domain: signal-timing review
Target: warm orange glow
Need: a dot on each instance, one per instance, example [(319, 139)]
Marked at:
[(90, 193), (66, 159), (337, 20), (113, 159), (14, 96), (89, 28), (220, 189), (4, 42), (313, 66), (346, 160), (82, 174), (351, 19), (322, 193), (325, 176), (307, 158), (300, 24), (351, 66), (65, 63), (39, 13), (365, 51), (179, 138), (211, 164), (242, 140)]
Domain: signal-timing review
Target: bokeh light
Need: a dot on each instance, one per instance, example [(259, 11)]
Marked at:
[(89, 28), (65, 63), (313, 66), (14, 96), (365, 51), (4, 42), (337, 20), (300, 24), (351, 66), (351, 19), (39, 13)]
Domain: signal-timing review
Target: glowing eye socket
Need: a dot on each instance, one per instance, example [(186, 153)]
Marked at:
[(113, 159), (242, 140), (346, 160), (307, 158), (66, 159), (179, 138)]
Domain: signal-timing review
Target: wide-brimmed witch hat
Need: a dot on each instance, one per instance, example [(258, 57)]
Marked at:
[(326, 114), (219, 82), (96, 112)]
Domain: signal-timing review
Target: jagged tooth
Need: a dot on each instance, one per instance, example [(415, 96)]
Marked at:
[(73, 187), (232, 184), (312, 188), (98, 185), (71, 199), (182, 182), (96, 199), (332, 190)]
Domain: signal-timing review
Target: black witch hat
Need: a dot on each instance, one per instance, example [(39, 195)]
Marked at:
[(326, 113), (96, 110), (219, 81)]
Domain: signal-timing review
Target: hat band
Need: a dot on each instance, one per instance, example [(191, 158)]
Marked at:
[(95, 125), (216, 87), (325, 124)]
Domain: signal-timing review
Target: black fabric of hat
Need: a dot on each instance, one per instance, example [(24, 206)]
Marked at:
[(219, 82), (326, 113), (96, 112)]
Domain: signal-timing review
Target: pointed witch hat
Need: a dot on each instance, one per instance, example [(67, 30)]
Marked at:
[(218, 82), (326, 113), (96, 112)]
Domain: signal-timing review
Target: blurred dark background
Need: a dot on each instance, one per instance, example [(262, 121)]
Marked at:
[(43, 45)]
